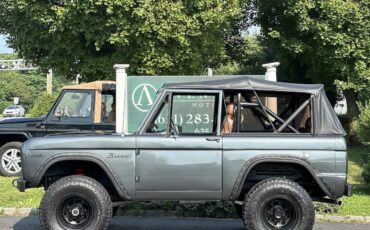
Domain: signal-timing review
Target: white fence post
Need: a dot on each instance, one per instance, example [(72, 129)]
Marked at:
[(49, 82), (271, 70), (121, 98), (271, 103), (210, 72)]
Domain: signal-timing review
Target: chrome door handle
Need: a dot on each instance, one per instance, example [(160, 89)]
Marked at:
[(217, 139)]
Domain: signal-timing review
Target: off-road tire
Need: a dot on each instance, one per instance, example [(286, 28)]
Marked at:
[(84, 197), (5, 149), (275, 199)]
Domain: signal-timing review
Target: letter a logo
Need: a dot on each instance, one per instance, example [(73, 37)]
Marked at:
[(143, 96)]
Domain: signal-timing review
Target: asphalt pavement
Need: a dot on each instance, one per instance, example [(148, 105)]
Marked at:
[(155, 223)]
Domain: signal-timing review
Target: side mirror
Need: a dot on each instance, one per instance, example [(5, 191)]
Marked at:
[(40, 125), (176, 130)]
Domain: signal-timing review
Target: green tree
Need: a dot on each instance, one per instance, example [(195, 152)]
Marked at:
[(27, 85), (88, 37), (319, 41), (43, 104), (245, 54)]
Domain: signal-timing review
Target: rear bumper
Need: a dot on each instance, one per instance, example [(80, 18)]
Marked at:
[(20, 184), (348, 190)]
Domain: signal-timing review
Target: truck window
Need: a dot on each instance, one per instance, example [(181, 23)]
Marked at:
[(265, 112), (194, 113), (107, 107), (159, 124), (74, 105)]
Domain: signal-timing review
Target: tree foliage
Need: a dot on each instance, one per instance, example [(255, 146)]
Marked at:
[(246, 53), (43, 104), (362, 126), (318, 40), (25, 85), (88, 37)]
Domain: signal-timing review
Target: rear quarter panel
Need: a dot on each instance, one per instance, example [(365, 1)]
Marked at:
[(327, 154)]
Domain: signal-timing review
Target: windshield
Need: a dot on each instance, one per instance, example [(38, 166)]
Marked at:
[(74, 104), (12, 107)]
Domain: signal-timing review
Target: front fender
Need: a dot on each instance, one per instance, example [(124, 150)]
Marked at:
[(81, 156)]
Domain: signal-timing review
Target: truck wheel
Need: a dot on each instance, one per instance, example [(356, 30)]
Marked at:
[(10, 155), (76, 202), (278, 203)]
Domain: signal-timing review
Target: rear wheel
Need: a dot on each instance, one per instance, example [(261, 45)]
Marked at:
[(76, 202), (10, 156), (278, 203)]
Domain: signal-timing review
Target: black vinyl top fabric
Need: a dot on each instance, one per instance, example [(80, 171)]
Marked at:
[(326, 121)]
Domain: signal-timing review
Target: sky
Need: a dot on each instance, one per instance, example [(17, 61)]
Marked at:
[(3, 46)]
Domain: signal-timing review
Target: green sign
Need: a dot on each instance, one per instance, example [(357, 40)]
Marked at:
[(141, 94)]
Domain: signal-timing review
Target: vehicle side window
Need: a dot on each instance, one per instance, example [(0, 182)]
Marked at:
[(194, 113), (159, 124), (74, 105), (107, 107), (266, 112)]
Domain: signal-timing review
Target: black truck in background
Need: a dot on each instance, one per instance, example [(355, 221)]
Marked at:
[(82, 108)]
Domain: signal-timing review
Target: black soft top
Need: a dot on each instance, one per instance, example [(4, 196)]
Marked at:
[(326, 121)]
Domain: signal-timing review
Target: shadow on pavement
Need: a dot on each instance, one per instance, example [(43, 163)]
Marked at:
[(174, 223), (132, 223), (29, 223), (155, 223)]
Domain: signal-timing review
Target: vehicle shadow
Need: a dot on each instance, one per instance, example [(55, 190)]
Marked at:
[(155, 223), (149, 223), (28, 222), (161, 223)]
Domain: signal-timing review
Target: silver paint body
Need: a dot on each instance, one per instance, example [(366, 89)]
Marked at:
[(161, 167)]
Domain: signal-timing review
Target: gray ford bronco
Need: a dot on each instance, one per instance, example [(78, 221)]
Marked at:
[(272, 148)]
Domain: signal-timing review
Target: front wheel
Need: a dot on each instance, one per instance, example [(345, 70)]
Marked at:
[(10, 156), (76, 202), (278, 203)]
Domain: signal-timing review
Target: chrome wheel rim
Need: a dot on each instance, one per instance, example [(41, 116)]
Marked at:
[(11, 161)]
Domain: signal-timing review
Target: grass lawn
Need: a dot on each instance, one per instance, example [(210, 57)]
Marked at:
[(358, 204), (11, 198)]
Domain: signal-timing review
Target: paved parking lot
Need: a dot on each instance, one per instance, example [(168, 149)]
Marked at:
[(154, 223)]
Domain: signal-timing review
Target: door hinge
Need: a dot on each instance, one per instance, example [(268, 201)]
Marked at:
[(137, 178), (137, 152)]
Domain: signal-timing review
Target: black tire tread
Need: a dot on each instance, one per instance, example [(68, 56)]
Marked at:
[(250, 201), (75, 180)]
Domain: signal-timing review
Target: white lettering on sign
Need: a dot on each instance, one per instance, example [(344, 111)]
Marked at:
[(142, 97)]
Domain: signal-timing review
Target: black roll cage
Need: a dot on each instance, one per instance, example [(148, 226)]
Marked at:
[(268, 112)]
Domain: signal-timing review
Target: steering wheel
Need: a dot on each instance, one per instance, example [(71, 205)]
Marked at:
[(69, 112)]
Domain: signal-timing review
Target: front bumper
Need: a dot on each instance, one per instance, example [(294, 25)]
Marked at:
[(20, 184), (348, 190), (10, 114)]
